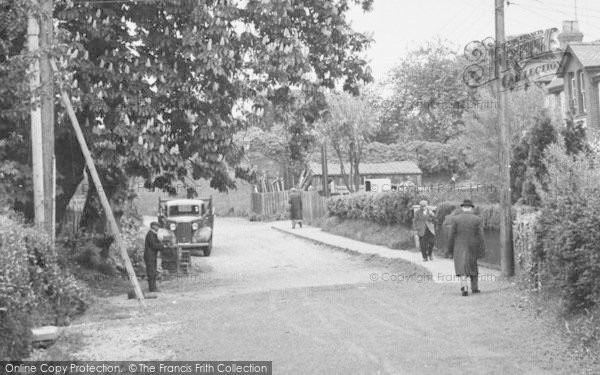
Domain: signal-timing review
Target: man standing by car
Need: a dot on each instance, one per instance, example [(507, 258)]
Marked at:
[(151, 249), (466, 244), (424, 228)]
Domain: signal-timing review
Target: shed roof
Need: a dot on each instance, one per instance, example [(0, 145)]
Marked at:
[(388, 168)]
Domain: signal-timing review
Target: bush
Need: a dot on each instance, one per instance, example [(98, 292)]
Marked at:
[(383, 208), (489, 213), (568, 230), (568, 234), (34, 289)]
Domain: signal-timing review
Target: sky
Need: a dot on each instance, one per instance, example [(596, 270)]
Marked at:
[(399, 25)]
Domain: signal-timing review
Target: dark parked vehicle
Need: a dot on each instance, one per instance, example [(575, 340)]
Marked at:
[(191, 221)]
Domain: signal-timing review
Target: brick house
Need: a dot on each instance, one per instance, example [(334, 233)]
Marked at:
[(577, 84)]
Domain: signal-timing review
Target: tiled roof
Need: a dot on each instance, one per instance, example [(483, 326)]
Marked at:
[(384, 169), (587, 53)]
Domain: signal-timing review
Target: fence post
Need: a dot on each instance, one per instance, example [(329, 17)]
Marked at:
[(310, 207)]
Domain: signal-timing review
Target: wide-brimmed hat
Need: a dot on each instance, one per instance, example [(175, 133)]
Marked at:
[(467, 203)]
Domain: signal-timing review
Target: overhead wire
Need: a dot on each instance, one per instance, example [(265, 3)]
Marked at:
[(539, 14), (566, 6)]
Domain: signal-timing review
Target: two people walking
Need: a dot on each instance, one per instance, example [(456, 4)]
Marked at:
[(465, 241)]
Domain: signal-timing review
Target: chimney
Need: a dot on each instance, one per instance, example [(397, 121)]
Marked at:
[(570, 34)]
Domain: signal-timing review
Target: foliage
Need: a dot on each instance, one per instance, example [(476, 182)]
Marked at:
[(489, 213), (156, 85), (34, 288), (347, 127), (524, 249), (481, 136), (567, 234), (388, 208), (428, 96), (527, 159), (574, 136), (433, 158)]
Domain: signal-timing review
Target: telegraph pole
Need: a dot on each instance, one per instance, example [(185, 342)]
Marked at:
[(47, 110), (37, 158), (507, 260)]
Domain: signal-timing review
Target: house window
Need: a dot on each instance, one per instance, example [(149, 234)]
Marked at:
[(573, 90), (582, 91)]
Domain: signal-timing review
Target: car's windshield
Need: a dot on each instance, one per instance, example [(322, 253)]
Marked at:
[(184, 209)]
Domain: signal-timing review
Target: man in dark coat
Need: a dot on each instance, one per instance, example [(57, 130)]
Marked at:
[(295, 208), (151, 249), (466, 244), (424, 227)]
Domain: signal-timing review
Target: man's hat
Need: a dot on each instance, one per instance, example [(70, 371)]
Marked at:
[(467, 203), (423, 203), (154, 223)]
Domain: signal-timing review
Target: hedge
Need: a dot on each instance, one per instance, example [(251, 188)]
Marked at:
[(34, 289), (397, 208), (567, 250), (382, 208)]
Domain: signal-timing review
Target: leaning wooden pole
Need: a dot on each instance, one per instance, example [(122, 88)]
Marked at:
[(103, 199)]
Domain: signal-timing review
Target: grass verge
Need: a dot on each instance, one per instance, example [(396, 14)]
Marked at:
[(393, 236)]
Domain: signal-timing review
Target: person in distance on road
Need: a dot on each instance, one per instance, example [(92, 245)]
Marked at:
[(424, 227), (151, 249), (295, 202), (466, 245)]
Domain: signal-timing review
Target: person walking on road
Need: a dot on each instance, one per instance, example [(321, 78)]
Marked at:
[(295, 207), (151, 249), (424, 227), (466, 245)]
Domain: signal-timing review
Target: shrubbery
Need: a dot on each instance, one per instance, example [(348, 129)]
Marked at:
[(34, 289), (382, 208), (568, 230), (397, 208)]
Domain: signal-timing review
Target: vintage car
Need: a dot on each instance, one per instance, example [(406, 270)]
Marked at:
[(191, 222)]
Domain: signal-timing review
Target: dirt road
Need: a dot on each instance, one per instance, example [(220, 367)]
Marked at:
[(263, 295)]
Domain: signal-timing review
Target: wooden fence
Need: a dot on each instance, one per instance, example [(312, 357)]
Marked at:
[(276, 204)]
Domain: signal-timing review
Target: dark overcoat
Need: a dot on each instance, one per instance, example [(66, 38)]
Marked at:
[(295, 206), (152, 246), (465, 242)]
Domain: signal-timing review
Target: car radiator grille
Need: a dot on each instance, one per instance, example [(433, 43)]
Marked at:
[(183, 233)]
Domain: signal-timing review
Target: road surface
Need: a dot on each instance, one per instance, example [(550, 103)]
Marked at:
[(265, 295)]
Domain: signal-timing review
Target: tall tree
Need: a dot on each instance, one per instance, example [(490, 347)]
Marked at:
[(161, 87), (481, 133), (428, 96), (348, 126)]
